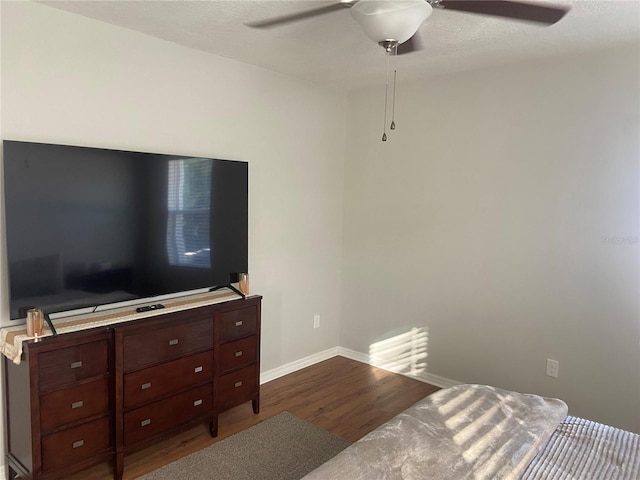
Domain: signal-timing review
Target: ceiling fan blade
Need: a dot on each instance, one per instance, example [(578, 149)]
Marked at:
[(411, 45), (515, 10), (293, 17)]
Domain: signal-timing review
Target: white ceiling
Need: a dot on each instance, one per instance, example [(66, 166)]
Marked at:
[(333, 51)]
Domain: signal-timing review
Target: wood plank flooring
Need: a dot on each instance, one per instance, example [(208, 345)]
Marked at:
[(345, 397)]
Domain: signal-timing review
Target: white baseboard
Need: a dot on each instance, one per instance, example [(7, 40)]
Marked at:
[(291, 367), (425, 377), (297, 365)]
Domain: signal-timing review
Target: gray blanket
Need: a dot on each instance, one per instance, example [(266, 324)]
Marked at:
[(473, 432)]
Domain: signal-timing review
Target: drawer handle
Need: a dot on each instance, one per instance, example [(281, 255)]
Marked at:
[(239, 354), (197, 370), (77, 404), (146, 422), (144, 386), (77, 444), (76, 364), (197, 402), (237, 384), (173, 342), (239, 323)]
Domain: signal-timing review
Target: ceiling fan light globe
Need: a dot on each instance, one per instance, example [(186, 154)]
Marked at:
[(390, 20)]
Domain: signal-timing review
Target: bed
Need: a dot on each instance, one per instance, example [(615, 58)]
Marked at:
[(478, 432)]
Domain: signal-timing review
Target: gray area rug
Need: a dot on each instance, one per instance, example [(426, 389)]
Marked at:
[(283, 447)]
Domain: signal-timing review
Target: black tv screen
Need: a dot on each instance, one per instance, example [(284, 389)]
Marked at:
[(87, 227)]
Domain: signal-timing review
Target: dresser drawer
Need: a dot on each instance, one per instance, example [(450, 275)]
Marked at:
[(237, 323), (68, 365), (64, 448), (145, 422), (168, 342), (237, 387), (153, 382), (72, 404), (237, 354)]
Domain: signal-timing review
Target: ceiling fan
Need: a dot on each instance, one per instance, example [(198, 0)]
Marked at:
[(394, 23)]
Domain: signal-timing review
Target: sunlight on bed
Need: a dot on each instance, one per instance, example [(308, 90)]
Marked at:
[(405, 353), (479, 425), (481, 429)]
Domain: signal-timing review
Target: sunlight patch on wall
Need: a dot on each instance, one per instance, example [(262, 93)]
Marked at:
[(404, 353)]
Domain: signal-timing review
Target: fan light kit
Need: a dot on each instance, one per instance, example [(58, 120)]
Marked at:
[(393, 24), (390, 20)]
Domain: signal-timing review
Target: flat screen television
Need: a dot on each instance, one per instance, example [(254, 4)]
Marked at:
[(89, 228)]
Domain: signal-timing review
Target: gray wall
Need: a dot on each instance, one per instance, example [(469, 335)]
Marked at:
[(500, 223)]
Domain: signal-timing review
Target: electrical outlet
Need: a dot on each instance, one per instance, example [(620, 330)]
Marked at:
[(316, 320), (553, 368)]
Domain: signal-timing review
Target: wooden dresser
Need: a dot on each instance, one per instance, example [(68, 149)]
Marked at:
[(95, 395)]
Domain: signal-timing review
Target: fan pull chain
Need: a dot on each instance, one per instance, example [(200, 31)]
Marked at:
[(393, 100), (384, 123), (386, 96)]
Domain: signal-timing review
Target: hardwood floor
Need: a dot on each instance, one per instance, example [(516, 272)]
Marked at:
[(345, 397)]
